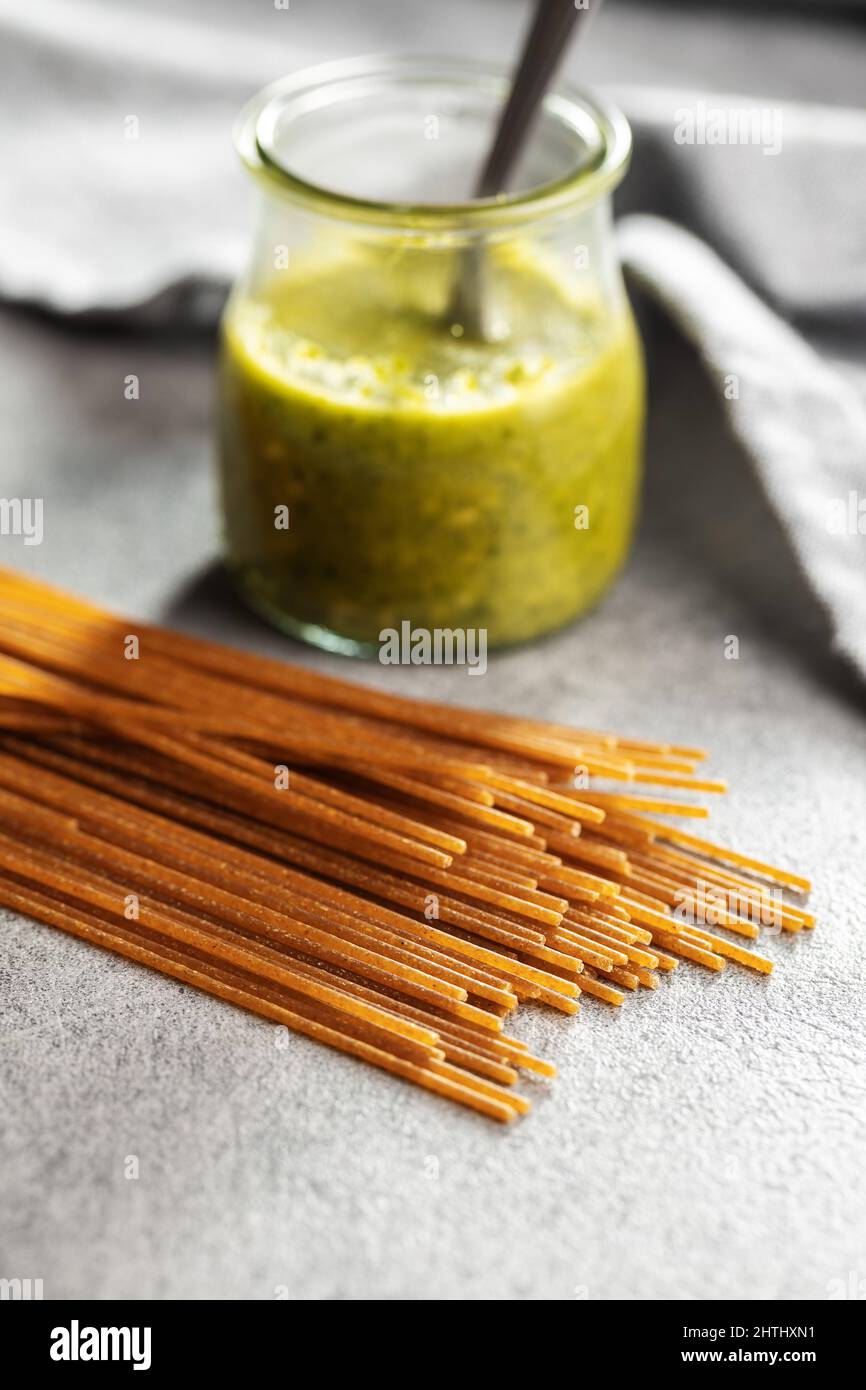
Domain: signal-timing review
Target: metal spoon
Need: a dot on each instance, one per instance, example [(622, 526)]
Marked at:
[(552, 26)]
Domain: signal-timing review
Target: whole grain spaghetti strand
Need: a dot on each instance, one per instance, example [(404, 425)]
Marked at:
[(465, 1090)]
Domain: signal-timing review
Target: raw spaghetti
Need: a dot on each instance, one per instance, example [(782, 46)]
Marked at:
[(390, 877)]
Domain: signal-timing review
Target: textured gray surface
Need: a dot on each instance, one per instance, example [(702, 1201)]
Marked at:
[(703, 1141)]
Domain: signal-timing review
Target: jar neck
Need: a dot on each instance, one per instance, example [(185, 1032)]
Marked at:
[(318, 139)]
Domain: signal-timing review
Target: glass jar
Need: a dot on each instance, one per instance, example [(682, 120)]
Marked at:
[(385, 459)]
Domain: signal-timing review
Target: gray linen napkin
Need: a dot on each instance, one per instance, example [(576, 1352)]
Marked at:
[(119, 193), (802, 424)]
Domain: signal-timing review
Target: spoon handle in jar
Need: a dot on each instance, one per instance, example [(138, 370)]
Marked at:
[(545, 44), (544, 48)]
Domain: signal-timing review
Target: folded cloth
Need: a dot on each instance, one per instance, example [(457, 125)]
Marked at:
[(119, 193), (802, 424)]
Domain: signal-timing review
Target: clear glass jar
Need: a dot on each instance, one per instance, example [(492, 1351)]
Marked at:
[(380, 461)]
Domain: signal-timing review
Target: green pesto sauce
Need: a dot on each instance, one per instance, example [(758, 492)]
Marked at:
[(427, 478)]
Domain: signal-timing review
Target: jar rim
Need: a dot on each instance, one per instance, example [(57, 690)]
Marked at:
[(254, 135)]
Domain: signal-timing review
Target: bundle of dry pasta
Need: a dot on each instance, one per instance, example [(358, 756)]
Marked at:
[(389, 876)]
